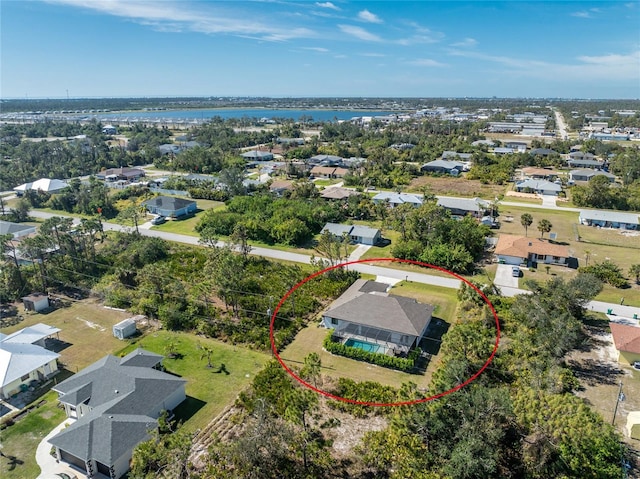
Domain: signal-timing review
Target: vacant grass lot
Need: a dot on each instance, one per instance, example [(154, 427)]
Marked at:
[(454, 186), (86, 331), (209, 390), (310, 340)]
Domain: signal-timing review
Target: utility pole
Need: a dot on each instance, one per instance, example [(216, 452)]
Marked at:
[(619, 398)]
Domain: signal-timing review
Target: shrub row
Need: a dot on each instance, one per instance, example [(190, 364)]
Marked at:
[(383, 360)]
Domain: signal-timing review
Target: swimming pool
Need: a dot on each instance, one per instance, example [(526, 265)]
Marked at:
[(365, 346)]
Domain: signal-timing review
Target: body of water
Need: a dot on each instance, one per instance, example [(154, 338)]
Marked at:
[(200, 115)]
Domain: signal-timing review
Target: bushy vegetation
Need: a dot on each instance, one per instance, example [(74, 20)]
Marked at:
[(336, 347), (431, 235), (607, 272), (272, 220)]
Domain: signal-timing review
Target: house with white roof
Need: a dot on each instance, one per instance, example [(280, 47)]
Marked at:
[(395, 199), (24, 358), (541, 187), (357, 233), (43, 184), (610, 219)]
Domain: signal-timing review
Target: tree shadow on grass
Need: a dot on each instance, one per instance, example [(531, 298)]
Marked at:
[(594, 373)]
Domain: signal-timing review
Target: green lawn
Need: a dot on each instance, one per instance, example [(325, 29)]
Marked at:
[(84, 324), (444, 299), (208, 390), (187, 226), (21, 440), (310, 340)]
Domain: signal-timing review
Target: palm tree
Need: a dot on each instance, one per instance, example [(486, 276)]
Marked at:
[(526, 220), (544, 226), (634, 270)]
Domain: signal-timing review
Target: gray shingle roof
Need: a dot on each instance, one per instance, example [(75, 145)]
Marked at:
[(466, 204), (141, 358), (338, 229), (124, 399), (168, 202), (367, 303), (6, 227)]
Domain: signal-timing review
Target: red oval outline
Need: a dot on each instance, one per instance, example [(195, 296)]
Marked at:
[(366, 403)]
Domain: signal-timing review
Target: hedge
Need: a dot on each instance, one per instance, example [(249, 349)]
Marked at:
[(383, 360)]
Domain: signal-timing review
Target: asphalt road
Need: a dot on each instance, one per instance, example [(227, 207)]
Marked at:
[(424, 278)]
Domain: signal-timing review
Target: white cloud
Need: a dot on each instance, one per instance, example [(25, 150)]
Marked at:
[(367, 16), (374, 55), (421, 35), (316, 49), (467, 42), (340, 56), (426, 62), (582, 14), (178, 16), (603, 67), (360, 33), (327, 5)]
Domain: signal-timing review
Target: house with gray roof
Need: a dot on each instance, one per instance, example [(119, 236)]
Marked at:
[(450, 167), (610, 219), (542, 152), (24, 358), (464, 206), (395, 199), (170, 206), (357, 233), (449, 155), (585, 174), (541, 187), (16, 229), (117, 402), (586, 163), (367, 316), (257, 155)]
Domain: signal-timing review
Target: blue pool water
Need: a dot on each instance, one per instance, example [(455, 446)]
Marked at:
[(369, 347)]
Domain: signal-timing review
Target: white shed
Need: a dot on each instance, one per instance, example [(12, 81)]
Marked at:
[(633, 425), (36, 302), (125, 328)]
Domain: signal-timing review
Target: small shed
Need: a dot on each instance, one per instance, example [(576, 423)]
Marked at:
[(633, 425), (36, 302), (125, 328)]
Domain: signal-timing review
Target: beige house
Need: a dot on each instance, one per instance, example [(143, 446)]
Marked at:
[(513, 249), (24, 358), (627, 341)]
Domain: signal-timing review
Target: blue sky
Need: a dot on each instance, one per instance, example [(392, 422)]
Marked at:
[(97, 48)]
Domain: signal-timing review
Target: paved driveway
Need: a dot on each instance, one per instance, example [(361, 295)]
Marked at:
[(504, 277)]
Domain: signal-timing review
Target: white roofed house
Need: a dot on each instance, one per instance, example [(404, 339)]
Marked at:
[(395, 199), (610, 219), (43, 184), (357, 233), (541, 187), (24, 358)]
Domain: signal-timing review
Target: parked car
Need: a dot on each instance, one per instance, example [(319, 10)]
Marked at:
[(636, 365), (158, 220), (515, 271)]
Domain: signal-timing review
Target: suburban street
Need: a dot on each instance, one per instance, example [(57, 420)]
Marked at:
[(507, 289)]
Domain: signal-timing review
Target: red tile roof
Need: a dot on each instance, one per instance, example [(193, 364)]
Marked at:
[(625, 337)]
